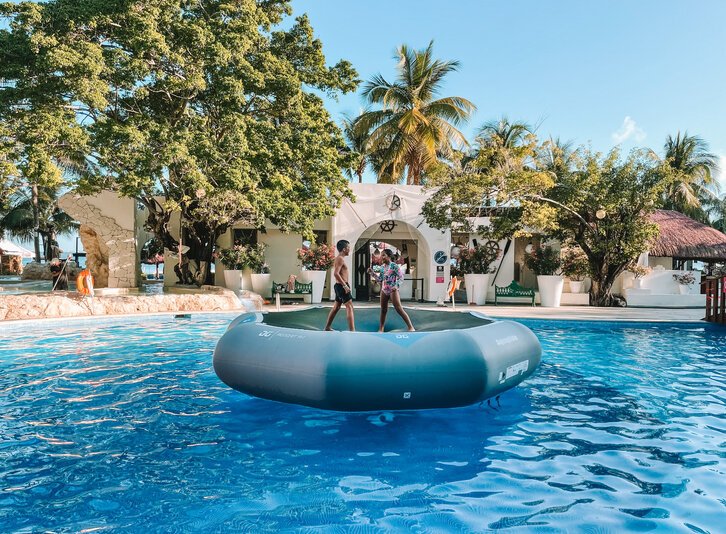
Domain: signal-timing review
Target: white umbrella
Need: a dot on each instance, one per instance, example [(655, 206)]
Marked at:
[(11, 249)]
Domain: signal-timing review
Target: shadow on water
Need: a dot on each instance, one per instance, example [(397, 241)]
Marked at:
[(457, 435)]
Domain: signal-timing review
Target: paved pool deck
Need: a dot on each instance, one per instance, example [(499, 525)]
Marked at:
[(575, 313)]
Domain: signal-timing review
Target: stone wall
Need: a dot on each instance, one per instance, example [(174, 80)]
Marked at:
[(41, 271), (70, 304), (107, 234)]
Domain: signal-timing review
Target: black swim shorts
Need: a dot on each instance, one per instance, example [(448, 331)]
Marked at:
[(341, 295)]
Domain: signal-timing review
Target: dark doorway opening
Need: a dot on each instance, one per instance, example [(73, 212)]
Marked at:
[(362, 278)]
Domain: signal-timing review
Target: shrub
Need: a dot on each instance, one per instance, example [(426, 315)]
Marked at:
[(685, 279), (239, 257), (575, 264), (543, 261), (477, 260), (639, 271)]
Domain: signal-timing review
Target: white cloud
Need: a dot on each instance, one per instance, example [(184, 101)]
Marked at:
[(629, 130)]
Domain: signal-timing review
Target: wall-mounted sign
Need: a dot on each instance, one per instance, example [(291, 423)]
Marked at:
[(439, 279), (440, 270), (440, 257)]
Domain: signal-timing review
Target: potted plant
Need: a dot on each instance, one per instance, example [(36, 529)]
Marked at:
[(234, 260), (685, 280), (546, 262), (260, 276), (639, 272), (315, 262), (576, 267), (476, 265)]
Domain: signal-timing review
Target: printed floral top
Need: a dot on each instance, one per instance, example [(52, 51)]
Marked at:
[(390, 276)]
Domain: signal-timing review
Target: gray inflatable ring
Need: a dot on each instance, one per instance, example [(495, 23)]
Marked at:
[(453, 359)]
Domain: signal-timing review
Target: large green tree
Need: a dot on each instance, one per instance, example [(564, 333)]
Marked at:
[(413, 127), (693, 188), (210, 109), (599, 202), (42, 143)]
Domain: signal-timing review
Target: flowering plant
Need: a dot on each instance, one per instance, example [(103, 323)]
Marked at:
[(575, 264), (320, 258), (685, 279), (239, 257), (256, 258), (477, 260)]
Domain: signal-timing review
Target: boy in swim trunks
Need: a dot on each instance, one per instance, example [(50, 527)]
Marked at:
[(341, 287)]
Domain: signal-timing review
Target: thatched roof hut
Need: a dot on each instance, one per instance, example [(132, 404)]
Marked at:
[(683, 238)]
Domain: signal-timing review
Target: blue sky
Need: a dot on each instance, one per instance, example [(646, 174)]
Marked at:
[(600, 72)]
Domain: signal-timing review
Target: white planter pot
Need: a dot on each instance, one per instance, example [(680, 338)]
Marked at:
[(477, 286), (261, 284), (550, 290), (577, 286), (318, 280), (247, 279), (684, 289), (233, 279)]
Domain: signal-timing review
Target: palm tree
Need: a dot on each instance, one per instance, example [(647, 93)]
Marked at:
[(412, 128), (27, 213), (557, 157), (508, 134), (356, 148), (694, 168)]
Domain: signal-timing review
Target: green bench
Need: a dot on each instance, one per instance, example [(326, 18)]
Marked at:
[(300, 289), (512, 290)]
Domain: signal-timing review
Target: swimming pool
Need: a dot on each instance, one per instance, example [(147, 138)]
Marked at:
[(121, 424)]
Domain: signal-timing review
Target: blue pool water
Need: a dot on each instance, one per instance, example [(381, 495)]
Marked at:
[(122, 426)]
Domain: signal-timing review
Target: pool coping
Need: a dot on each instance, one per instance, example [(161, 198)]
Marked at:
[(16, 323)]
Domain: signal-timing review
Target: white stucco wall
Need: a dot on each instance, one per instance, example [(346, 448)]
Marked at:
[(362, 217)]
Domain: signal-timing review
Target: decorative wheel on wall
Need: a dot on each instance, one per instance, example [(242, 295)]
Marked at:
[(492, 247), (393, 202), (387, 226)]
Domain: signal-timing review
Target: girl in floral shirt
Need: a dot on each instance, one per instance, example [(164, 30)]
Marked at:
[(391, 279)]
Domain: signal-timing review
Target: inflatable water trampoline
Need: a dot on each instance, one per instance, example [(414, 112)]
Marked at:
[(453, 359)]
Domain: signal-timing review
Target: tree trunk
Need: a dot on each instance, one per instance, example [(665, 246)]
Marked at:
[(36, 221), (600, 292), (603, 278), (201, 240)]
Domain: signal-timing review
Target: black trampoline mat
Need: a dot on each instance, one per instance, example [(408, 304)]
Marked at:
[(366, 320)]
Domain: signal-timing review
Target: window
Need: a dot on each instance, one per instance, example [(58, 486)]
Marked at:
[(459, 240), (321, 236), (244, 236)]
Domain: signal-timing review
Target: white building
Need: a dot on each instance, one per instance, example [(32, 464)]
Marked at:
[(380, 215)]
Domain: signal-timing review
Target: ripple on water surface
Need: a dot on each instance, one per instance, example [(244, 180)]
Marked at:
[(119, 424)]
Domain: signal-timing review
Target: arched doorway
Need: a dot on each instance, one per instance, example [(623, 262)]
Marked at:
[(403, 239)]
